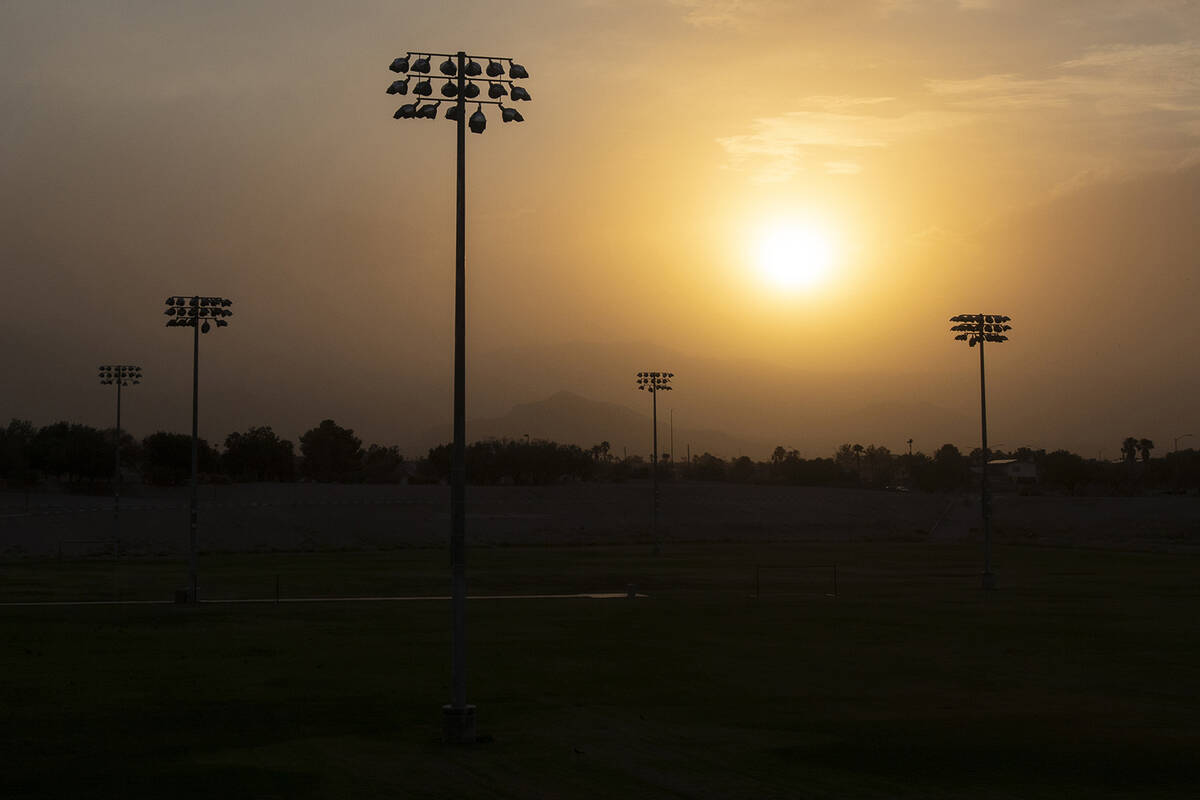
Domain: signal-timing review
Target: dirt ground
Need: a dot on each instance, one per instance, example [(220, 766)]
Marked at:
[(268, 517)]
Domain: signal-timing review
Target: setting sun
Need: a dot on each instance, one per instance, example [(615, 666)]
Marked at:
[(795, 256)]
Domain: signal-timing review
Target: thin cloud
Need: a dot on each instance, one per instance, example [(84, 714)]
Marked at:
[(843, 167), (779, 147), (1121, 79)]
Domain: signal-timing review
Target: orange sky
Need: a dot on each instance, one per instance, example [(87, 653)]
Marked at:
[(1028, 158)]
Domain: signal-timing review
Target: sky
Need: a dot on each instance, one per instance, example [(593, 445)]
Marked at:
[(907, 160)]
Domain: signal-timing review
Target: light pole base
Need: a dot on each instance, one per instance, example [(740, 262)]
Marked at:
[(989, 581), (458, 724)]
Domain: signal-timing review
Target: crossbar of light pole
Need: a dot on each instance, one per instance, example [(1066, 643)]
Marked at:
[(431, 54)]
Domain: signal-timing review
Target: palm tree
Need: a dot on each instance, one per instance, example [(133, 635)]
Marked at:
[(1145, 446), (1129, 449), (858, 450)]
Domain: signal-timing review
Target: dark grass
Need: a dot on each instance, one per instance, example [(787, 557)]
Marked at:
[(1077, 679)]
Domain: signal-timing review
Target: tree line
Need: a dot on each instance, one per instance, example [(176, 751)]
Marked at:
[(80, 454)]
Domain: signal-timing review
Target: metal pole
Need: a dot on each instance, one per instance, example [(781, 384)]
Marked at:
[(989, 579), (672, 416), (654, 474), (192, 570), (117, 480), (459, 718)]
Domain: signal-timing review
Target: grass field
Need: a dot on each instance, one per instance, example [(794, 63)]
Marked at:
[(1079, 678)]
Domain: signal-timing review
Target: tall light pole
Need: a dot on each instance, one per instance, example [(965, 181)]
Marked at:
[(975, 329), (118, 375), (654, 382), (671, 456), (464, 76), (1175, 446), (200, 314)]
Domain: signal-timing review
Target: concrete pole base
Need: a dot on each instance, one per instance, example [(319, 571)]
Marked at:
[(458, 724), (989, 581)]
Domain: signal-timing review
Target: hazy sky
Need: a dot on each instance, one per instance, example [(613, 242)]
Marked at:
[(1039, 159)]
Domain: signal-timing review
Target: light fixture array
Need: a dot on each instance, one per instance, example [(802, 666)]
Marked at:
[(975, 328), (187, 312), (416, 66), (120, 374), (654, 381)]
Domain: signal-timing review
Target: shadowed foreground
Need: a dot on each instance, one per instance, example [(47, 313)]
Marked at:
[(1077, 678)]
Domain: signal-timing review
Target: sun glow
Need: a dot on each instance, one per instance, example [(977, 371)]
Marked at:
[(795, 256)]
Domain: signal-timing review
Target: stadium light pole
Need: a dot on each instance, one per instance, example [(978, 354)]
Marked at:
[(118, 375), (654, 382), (200, 314), (464, 76), (975, 329)]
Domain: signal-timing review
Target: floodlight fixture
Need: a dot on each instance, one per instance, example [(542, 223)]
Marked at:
[(466, 78), (478, 121), (979, 329)]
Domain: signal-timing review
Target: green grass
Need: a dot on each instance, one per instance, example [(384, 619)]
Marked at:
[(1077, 678)]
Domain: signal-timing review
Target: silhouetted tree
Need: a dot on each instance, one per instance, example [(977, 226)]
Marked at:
[(259, 455), (879, 465), (742, 470), (1144, 447), (1064, 470), (167, 458), (846, 458), (16, 442), (706, 467), (493, 461), (1129, 449), (331, 453), (76, 451), (952, 470), (382, 464)]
